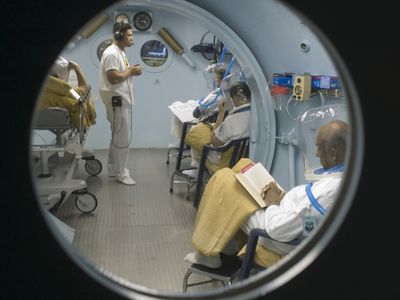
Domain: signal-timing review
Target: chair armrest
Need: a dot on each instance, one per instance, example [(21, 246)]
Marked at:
[(239, 149), (226, 146), (248, 259)]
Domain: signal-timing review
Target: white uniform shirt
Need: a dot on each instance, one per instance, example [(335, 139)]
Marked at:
[(115, 59), (284, 222), (235, 126)]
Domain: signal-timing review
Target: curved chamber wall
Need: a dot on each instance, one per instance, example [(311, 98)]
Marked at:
[(276, 37), (267, 38)]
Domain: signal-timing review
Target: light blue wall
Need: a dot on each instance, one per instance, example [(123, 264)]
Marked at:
[(270, 30), (153, 90), (274, 34)]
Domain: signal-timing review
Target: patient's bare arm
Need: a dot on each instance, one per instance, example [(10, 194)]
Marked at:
[(79, 74), (221, 113)]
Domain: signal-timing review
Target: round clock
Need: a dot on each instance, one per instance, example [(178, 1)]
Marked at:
[(122, 18), (142, 21)]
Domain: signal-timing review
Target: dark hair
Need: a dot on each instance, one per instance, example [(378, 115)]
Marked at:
[(240, 89), (121, 27)]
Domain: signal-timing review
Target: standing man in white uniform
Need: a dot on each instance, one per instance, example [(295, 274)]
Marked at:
[(116, 91)]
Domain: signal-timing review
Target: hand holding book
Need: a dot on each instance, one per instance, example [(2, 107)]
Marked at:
[(272, 194), (260, 185)]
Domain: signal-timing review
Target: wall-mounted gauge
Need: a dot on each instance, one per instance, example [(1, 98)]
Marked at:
[(142, 21), (121, 17)]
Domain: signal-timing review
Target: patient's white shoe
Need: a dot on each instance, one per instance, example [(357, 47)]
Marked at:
[(126, 180), (213, 261), (191, 172)]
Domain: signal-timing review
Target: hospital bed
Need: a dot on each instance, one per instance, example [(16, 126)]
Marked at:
[(56, 161)]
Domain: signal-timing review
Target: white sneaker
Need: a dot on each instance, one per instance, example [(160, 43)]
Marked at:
[(126, 180), (192, 172), (174, 145)]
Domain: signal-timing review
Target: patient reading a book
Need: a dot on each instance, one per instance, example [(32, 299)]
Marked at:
[(229, 209)]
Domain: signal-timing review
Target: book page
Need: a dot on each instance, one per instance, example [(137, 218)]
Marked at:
[(259, 176), (254, 178), (183, 110)]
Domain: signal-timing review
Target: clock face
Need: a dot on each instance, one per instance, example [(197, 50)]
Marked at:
[(142, 21), (122, 18)]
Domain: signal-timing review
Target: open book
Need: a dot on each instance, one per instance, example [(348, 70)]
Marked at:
[(254, 177), (184, 110)]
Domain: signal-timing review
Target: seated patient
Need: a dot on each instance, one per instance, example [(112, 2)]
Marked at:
[(235, 125), (198, 113), (210, 102), (57, 93), (226, 208)]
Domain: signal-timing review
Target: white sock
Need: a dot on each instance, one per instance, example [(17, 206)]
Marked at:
[(213, 261)]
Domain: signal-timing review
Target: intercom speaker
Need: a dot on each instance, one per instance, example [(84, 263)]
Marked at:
[(301, 87)]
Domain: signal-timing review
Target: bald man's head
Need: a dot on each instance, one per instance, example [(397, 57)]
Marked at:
[(331, 143)]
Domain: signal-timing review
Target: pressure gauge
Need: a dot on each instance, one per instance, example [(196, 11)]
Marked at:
[(142, 21), (122, 18)]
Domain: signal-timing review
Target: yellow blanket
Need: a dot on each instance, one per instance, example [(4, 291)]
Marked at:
[(224, 206), (56, 93), (200, 135)]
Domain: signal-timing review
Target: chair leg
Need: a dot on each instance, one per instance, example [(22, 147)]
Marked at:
[(188, 190), (199, 188), (171, 185), (168, 155), (185, 281)]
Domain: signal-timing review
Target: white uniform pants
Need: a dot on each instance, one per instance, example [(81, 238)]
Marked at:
[(120, 120)]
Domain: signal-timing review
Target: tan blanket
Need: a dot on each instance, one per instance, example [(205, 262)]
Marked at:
[(224, 206), (56, 93), (200, 135)]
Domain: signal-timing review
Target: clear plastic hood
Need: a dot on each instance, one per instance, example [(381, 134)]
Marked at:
[(309, 123)]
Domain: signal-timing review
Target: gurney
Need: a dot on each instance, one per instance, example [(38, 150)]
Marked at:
[(57, 161)]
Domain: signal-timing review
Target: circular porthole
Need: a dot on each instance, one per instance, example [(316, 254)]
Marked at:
[(154, 53), (155, 56), (103, 46)]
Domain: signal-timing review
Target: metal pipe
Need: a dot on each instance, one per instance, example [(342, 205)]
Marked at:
[(178, 49)]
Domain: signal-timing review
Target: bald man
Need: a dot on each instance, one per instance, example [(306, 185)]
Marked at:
[(286, 217)]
